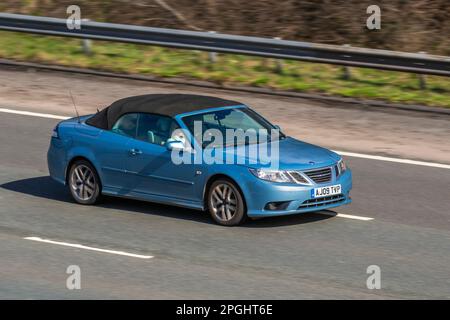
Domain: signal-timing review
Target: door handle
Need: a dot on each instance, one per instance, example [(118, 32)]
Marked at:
[(135, 152)]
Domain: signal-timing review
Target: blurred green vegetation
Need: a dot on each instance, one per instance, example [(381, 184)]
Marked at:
[(230, 69)]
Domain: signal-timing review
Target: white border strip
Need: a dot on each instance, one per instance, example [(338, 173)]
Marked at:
[(80, 246), (344, 153), (407, 161), (34, 114)]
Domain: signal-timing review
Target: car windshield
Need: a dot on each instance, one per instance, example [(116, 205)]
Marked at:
[(228, 127)]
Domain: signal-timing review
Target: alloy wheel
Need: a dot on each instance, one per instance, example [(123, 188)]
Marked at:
[(83, 182), (223, 202)]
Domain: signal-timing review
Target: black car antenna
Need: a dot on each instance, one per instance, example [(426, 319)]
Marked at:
[(74, 106)]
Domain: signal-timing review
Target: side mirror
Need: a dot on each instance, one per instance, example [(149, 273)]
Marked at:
[(173, 144)]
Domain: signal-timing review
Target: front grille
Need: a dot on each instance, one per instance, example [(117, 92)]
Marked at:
[(320, 175), (319, 202)]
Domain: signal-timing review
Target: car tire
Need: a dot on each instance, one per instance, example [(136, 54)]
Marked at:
[(225, 203), (84, 182)]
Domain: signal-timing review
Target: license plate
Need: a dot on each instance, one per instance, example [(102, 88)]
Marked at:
[(326, 191)]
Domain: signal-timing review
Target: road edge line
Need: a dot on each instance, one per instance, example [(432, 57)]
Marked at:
[(398, 160), (80, 246)]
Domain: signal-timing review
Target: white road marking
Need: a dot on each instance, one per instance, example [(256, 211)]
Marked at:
[(34, 114), (344, 153), (407, 161), (80, 246), (343, 215)]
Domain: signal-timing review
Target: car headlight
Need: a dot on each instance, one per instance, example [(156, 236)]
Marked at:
[(272, 175), (341, 166)]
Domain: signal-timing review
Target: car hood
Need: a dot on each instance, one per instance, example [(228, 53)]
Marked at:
[(293, 155)]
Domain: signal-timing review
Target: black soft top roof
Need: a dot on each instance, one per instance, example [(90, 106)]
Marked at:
[(162, 104)]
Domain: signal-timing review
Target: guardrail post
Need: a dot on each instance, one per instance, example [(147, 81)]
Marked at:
[(422, 82), (278, 62), (346, 74), (87, 46), (86, 43), (421, 77), (212, 56)]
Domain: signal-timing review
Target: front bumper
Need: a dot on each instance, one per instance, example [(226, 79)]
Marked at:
[(299, 199)]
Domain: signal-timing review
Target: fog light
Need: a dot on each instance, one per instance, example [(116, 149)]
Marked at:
[(279, 205)]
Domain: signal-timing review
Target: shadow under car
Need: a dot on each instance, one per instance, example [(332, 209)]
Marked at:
[(45, 187)]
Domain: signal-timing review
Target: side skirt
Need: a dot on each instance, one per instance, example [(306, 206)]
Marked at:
[(115, 192)]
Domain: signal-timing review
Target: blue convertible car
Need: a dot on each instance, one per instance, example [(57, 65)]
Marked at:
[(199, 152)]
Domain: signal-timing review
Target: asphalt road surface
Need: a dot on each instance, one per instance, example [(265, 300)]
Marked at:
[(312, 255), (399, 220)]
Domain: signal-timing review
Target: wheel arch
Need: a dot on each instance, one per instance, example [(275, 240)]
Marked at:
[(216, 177), (79, 157)]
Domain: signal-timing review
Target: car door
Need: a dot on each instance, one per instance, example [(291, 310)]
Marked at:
[(112, 152), (152, 167)]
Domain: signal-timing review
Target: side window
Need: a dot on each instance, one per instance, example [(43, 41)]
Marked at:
[(126, 125), (155, 128)]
